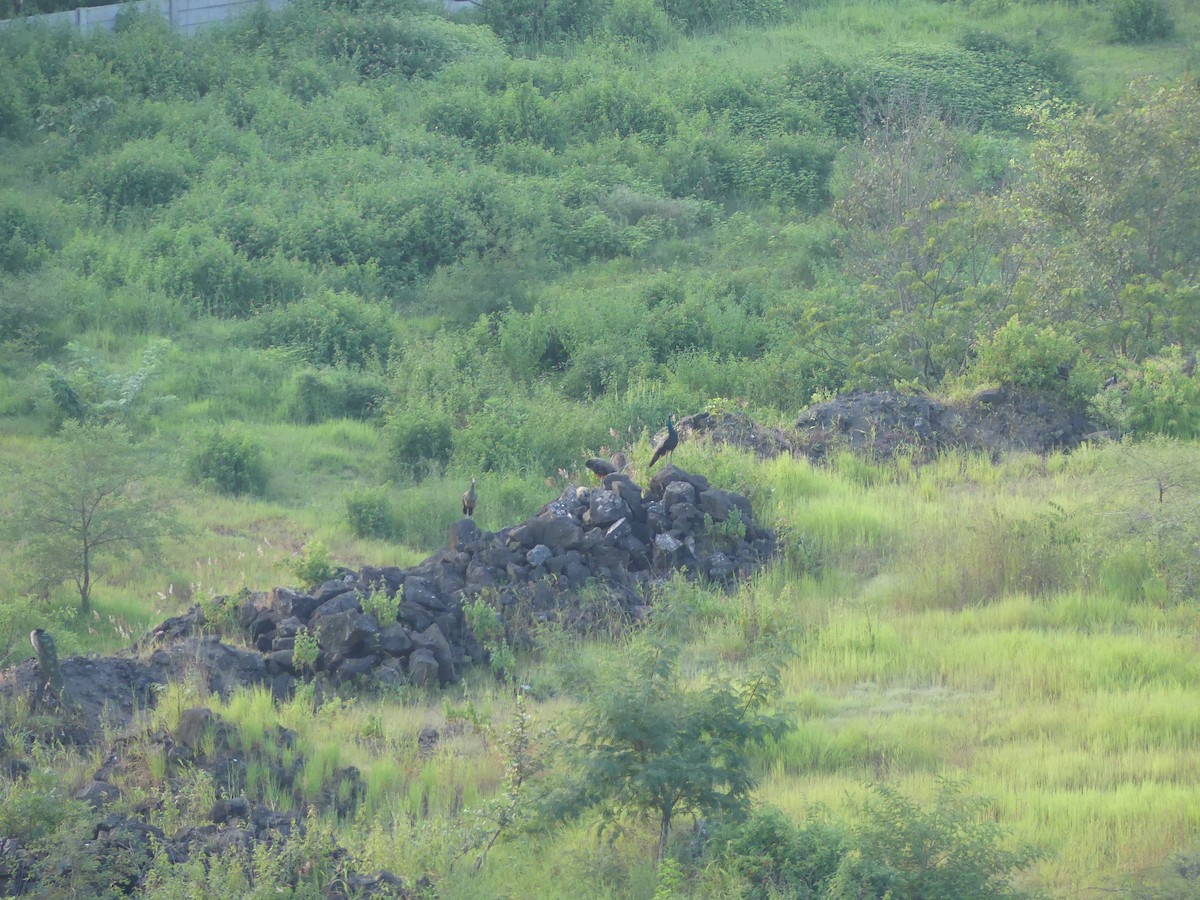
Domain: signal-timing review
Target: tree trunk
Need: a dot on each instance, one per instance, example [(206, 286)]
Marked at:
[(664, 832), (85, 586)]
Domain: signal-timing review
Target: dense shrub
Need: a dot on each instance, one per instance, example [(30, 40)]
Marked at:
[(533, 23), (1137, 21), (370, 514), (314, 395), (378, 45), (141, 173), (36, 311), (27, 233), (205, 271), (1158, 395), (893, 848), (330, 329), (638, 21), (419, 436), (1027, 356), (229, 462)]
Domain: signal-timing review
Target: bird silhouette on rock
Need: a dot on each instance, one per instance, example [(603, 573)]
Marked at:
[(666, 445), (469, 497)]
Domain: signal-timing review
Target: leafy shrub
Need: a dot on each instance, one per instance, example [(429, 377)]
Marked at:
[(380, 45), (369, 513), (951, 850), (330, 329), (1137, 21), (704, 15), (205, 271), (27, 234), (231, 463), (1159, 395), (35, 310), (313, 566), (141, 173), (419, 436), (1027, 356), (775, 857), (532, 23), (639, 22), (894, 848), (315, 395), (836, 89)]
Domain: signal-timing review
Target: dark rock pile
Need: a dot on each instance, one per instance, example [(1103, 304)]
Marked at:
[(593, 551), (885, 423), (123, 838)]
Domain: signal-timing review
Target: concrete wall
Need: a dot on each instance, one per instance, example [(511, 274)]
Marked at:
[(186, 16)]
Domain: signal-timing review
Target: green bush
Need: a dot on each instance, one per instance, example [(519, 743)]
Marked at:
[(142, 173), (639, 22), (1138, 21), (27, 234), (313, 566), (415, 45), (231, 463), (419, 437), (205, 271), (1160, 395), (1039, 358), (332, 329), (315, 395), (369, 513), (775, 857)]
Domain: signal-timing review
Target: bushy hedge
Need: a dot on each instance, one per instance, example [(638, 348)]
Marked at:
[(229, 462)]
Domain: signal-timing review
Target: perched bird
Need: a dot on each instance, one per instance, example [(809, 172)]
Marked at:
[(600, 467), (469, 498), (1189, 364), (1111, 382), (666, 445)]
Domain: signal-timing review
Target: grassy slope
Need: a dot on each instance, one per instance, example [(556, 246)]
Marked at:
[(1075, 709)]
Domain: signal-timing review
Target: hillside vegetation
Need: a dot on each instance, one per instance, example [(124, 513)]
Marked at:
[(305, 275)]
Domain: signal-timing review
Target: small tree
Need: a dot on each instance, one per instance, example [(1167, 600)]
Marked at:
[(647, 743), (85, 500)]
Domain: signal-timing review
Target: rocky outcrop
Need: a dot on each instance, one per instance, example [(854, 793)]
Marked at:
[(590, 558), (593, 553), (886, 423)]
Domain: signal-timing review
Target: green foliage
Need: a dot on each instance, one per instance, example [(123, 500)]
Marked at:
[(27, 234), (533, 23), (950, 850), (317, 395), (486, 622), (142, 173), (412, 45), (419, 437), (1159, 395), (381, 606), (313, 566), (329, 330), (87, 391), (1137, 21), (638, 22), (1037, 358), (685, 751), (370, 513), (306, 649), (230, 462), (86, 500), (774, 856), (893, 848)]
